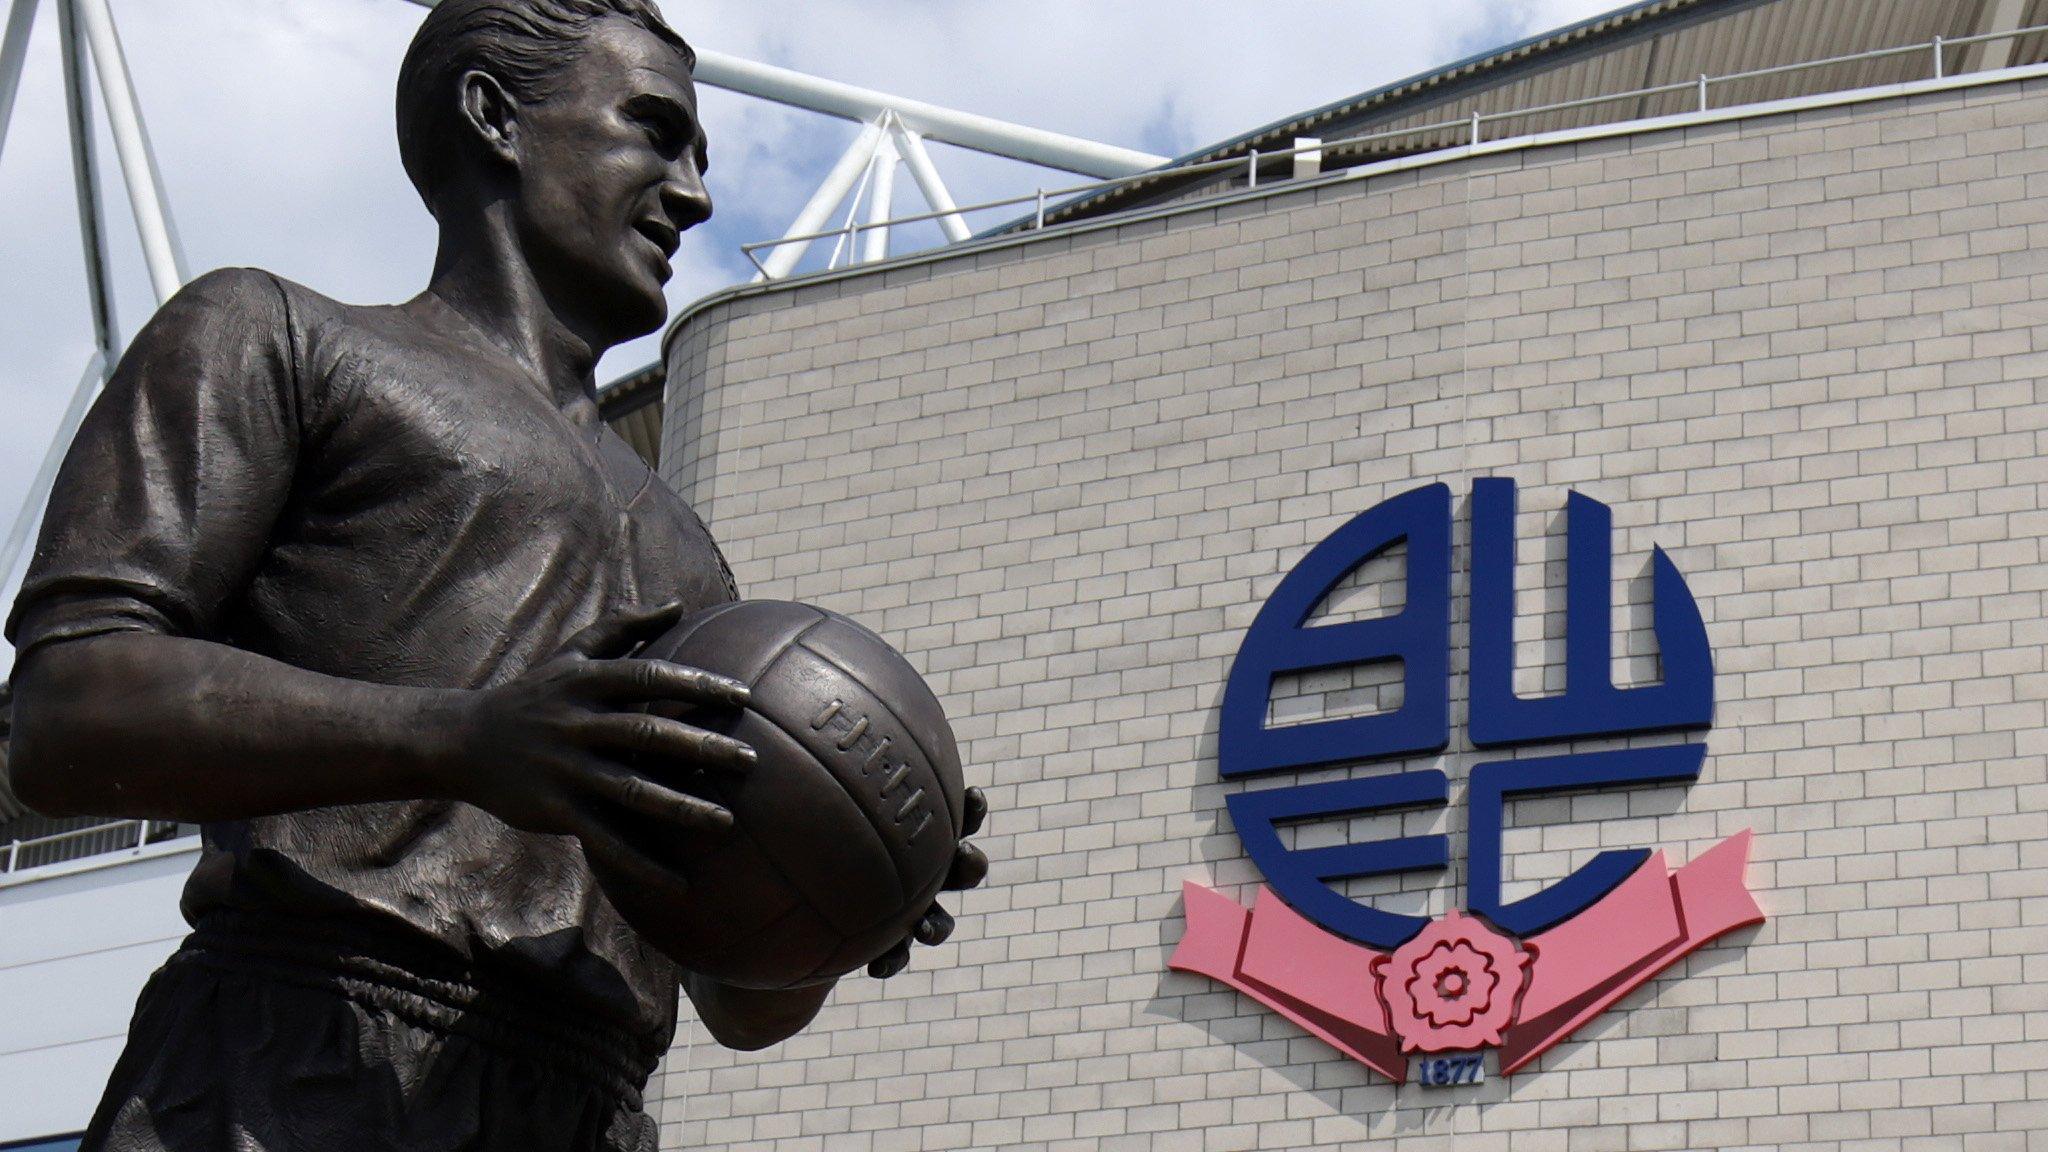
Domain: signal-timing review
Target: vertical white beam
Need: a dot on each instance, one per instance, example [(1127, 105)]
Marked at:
[(21, 18), (46, 475), (852, 163), (847, 241), (131, 143), (875, 240), (910, 146), (92, 224), (92, 231)]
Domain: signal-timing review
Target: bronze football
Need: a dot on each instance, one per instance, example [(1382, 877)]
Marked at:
[(844, 827)]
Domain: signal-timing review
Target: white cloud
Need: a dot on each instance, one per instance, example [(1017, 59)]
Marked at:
[(272, 124)]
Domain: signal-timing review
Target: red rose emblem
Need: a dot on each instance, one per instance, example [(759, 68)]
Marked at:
[(1452, 987)]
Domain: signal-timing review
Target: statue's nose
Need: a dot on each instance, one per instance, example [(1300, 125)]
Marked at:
[(684, 197)]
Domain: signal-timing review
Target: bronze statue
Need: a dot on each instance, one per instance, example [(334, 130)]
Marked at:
[(359, 588)]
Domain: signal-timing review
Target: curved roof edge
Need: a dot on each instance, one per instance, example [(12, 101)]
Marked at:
[(1641, 18)]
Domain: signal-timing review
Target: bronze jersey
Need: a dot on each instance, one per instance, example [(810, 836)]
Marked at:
[(348, 491)]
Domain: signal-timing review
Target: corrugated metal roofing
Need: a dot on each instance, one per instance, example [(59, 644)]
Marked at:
[(1646, 45), (632, 406)]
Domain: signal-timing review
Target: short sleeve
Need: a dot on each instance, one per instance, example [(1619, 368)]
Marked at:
[(167, 498)]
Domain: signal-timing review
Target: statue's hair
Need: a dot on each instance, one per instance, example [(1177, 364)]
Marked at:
[(525, 45)]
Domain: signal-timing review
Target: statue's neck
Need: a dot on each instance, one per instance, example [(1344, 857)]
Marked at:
[(483, 278)]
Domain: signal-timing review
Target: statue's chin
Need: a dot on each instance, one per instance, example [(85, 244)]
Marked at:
[(642, 326), (625, 315)]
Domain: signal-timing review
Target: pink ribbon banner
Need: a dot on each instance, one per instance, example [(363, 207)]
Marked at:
[(1460, 984)]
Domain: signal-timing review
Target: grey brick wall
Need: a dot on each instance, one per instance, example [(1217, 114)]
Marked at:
[(1802, 353)]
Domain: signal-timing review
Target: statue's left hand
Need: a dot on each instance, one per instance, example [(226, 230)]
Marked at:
[(969, 868)]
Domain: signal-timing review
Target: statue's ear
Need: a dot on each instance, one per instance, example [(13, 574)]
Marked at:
[(491, 114)]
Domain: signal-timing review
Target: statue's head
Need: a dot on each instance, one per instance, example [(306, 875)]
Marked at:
[(579, 117)]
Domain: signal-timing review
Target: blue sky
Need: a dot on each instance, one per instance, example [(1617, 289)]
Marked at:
[(272, 125)]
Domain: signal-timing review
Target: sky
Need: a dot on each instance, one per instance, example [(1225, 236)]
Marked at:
[(272, 125)]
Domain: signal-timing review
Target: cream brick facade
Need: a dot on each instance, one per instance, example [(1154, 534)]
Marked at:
[(1802, 352)]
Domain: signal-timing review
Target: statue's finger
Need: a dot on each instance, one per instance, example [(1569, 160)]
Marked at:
[(665, 742), (936, 925), (891, 962), (619, 634), (661, 681), (637, 793), (969, 868)]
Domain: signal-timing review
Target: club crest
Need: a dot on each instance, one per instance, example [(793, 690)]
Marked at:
[(1513, 975)]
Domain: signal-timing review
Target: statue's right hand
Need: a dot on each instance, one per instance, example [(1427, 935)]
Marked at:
[(554, 749)]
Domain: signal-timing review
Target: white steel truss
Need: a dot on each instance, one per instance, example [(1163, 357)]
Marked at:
[(893, 131)]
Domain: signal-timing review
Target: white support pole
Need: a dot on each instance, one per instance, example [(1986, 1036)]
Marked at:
[(852, 163), (966, 129), (46, 475), (937, 196), (92, 219), (21, 18), (160, 252), (847, 242), (881, 201)]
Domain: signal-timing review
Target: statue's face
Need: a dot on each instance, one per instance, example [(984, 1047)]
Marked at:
[(610, 175)]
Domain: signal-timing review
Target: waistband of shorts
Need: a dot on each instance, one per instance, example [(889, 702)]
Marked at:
[(426, 990)]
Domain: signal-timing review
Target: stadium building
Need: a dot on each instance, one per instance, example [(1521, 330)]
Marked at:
[(1506, 611)]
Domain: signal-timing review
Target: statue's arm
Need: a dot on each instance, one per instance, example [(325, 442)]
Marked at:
[(748, 1018), (143, 725)]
